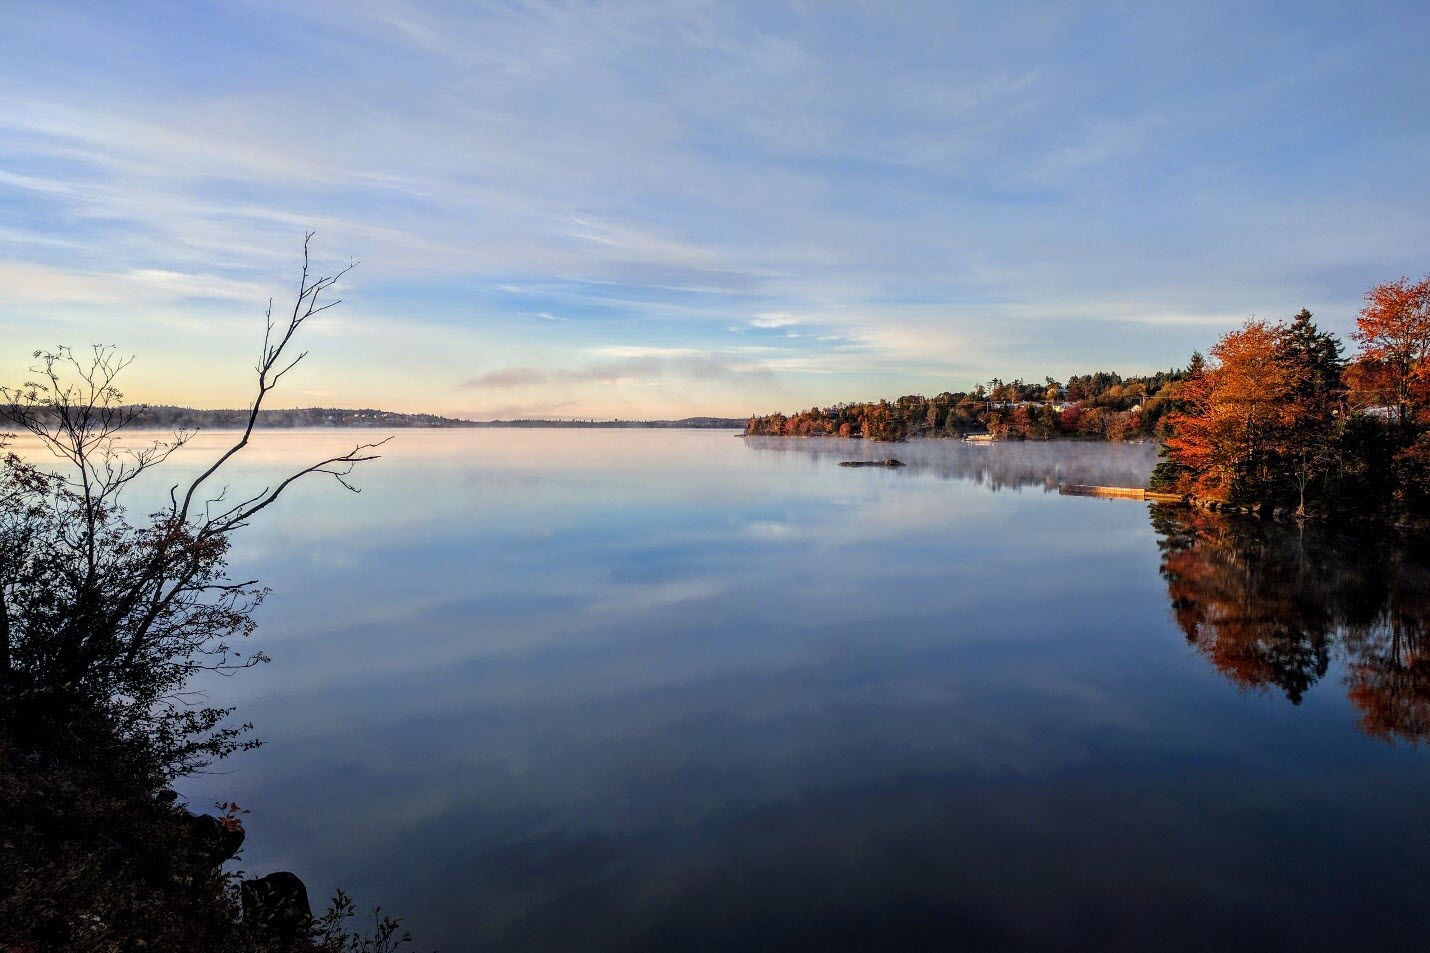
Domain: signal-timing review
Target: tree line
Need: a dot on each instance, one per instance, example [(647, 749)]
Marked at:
[(1102, 405), (161, 417), (151, 417), (683, 423), (1279, 417)]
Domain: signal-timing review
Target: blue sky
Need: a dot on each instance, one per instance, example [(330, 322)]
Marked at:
[(659, 209)]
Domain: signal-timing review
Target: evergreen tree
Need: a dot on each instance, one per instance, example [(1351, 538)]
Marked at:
[(1312, 359)]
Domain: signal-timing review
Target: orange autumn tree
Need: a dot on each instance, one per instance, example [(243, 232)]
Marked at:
[(1393, 372), (1259, 423), (1393, 367), (1236, 416)]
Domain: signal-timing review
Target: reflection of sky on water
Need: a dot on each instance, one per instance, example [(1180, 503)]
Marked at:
[(659, 690)]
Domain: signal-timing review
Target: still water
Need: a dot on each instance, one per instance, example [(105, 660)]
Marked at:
[(646, 690)]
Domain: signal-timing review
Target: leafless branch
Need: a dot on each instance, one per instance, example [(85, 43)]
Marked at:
[(268, 369)]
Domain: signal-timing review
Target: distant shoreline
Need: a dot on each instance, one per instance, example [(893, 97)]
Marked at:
[(188, 418), (685, 423)]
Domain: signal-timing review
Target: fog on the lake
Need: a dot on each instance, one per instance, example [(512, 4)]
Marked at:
[(996, 465)]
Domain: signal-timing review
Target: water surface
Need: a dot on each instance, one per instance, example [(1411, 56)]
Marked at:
[(651, 690)]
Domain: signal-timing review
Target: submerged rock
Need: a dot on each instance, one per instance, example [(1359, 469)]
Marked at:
[(891, 462)]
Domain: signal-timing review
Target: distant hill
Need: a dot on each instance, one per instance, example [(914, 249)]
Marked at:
[(687, 423), (188, 418)]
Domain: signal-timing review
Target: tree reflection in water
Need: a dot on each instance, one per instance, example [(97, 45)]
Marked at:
[(1272, 606)]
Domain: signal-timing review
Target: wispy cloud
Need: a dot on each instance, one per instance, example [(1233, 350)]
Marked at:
[(887, 198), (506, 377), (633, 368), (774, 319)]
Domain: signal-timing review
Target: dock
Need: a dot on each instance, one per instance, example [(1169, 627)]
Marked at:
[(1119, 493)]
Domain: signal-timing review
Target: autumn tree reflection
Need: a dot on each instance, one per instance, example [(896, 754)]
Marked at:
[(1274, 607), (1388, 671)]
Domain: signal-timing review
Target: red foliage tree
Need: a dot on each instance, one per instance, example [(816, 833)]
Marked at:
[(1236, 414), (1393, 331)]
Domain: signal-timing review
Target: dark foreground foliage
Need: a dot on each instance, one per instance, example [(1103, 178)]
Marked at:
[(97, 855), (91, 860), (105, 620)]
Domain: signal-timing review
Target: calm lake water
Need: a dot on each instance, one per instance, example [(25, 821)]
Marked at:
[(646, 690)]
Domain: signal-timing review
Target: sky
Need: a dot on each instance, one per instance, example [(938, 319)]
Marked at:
[(644, 209)]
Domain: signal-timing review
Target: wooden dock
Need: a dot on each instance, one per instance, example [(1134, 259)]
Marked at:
[(1118, 493)]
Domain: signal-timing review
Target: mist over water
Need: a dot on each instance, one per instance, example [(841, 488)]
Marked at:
[(998, 465), (642, 690)]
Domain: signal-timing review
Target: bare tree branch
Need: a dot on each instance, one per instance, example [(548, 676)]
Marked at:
[(121, 612)]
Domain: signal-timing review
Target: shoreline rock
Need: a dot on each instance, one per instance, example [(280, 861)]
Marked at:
[(278, 903)]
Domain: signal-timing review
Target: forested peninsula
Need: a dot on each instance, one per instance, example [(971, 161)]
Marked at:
[(1101, 405), (1276, 418)]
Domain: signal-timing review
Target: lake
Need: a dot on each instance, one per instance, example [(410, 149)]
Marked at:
[(678, 690)]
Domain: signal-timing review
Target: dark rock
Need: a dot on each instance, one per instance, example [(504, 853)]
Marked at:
[(278, 902), (891, 462), (167, 796), (215, 840)]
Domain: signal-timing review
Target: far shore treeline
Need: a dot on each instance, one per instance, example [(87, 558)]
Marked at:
[(1278, 417), (163, 417)]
